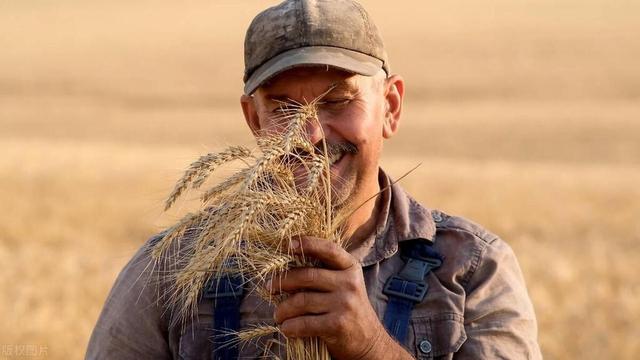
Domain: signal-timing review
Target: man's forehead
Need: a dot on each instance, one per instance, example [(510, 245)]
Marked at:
[(340, 82)]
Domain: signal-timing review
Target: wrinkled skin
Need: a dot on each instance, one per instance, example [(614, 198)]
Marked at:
[(331, 301)]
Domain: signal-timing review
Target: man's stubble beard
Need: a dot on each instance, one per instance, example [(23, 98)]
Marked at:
[(347, 197)]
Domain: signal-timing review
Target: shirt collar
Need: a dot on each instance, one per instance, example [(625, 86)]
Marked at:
[(400, 218)]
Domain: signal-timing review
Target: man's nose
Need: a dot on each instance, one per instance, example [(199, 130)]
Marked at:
[(315, 130)]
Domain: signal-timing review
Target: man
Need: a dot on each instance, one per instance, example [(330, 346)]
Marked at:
[(467, 300)]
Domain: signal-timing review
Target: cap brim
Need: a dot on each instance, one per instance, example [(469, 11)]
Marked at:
[(344, 59)]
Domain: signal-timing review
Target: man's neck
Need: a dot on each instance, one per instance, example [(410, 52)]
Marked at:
[(362, 223)]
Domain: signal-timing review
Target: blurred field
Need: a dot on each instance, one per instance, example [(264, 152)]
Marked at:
[(525, 117)]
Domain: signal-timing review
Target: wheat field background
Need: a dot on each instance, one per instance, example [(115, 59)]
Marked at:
[(525, 116)]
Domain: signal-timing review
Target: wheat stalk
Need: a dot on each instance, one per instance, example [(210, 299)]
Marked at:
[(200, 169), (256, 332)]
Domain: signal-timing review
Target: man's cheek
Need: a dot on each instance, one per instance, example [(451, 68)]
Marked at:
[(366, 135)]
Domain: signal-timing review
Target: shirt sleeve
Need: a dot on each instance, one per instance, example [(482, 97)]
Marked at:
[(131, 324), (500, 322)]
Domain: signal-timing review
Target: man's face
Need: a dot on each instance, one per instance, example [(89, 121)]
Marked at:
[(351, 116)]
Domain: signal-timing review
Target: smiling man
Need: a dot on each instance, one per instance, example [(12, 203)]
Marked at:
[(413, 282), (356, 114)]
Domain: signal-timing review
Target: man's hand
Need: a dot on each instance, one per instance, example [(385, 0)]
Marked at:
[(331, 303)]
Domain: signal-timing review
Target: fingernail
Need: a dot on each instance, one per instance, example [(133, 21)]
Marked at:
[(268, 285), (295, 243)]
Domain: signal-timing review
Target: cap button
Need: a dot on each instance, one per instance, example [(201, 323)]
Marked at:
[(425, 346)]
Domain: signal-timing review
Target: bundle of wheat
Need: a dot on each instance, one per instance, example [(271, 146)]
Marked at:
[(247, 221)]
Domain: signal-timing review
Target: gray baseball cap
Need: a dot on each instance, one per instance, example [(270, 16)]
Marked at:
[(337, 33)]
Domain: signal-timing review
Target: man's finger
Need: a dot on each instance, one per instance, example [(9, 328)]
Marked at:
[(308, 278), (329, 253), (303, 303), (305, 326)]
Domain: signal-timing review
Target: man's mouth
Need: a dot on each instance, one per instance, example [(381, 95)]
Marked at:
[(333, 159), (337, 152)]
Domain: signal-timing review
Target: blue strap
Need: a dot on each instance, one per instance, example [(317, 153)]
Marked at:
[(408, 287), (226, 293)]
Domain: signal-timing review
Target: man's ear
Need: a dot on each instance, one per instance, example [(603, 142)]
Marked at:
[(250, 113), (394, 94)]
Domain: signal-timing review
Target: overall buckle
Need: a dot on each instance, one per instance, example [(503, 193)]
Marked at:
[(406, 289)]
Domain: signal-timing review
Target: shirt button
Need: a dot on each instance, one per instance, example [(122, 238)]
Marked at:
[(425, 346)]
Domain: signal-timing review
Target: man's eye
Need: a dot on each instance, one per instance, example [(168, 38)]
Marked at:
[(336, 102)]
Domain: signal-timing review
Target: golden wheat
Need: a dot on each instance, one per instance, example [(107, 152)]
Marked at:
[(249, 219), (256, 332), (200, 169)]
